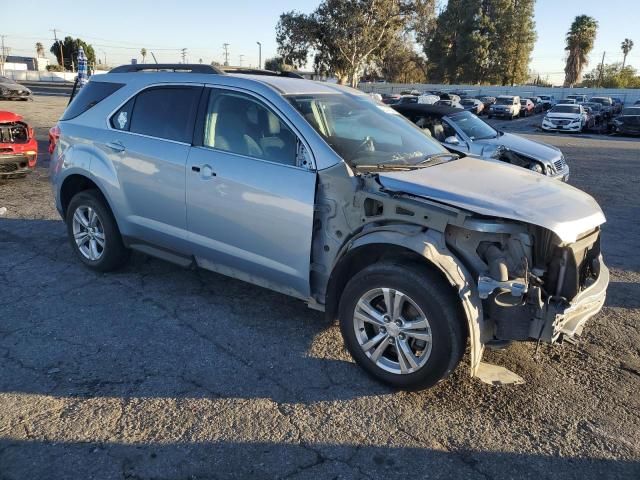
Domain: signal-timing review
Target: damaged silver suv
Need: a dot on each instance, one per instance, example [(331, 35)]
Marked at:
[(316, 191)]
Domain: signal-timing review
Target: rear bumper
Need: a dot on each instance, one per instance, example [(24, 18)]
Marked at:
[(16, 164)]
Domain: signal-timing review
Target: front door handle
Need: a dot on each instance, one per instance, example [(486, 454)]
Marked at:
[(207, 172), (116, 146)]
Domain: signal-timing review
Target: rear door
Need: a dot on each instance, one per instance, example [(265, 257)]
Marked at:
[(149, 143), (249, 202)]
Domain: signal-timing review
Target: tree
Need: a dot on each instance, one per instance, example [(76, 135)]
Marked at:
[(344, 36), (626, 47), (143, 52), (580, 39), (612, 76), (70, 48), (276, 64), (400, 63), (482, 41), (39, 50)]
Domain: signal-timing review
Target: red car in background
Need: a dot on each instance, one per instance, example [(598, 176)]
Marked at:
[(18, 146)]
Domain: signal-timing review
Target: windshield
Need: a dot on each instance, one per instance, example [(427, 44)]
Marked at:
[(365, 133), (593, 105), (472, 126), (468, 102), (6, 80), (504, 101), (545, 97), (565, 109), (631, 111), (603, 101)]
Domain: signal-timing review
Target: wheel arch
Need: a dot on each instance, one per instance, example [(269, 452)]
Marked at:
[(404, 243), (76, 183)]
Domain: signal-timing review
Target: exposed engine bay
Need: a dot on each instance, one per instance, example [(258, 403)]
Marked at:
[(14, 132), (509, 156), (527, 276)]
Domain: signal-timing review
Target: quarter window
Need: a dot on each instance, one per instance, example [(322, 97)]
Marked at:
[(240, 124), (162, 112)]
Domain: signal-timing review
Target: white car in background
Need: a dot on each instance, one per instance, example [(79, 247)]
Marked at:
[(566, 118), (427, 99), (507, 106)]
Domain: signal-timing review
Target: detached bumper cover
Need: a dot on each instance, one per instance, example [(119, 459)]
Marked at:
[(585, 305)]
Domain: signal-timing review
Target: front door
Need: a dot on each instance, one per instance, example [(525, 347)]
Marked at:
[(249, 205)]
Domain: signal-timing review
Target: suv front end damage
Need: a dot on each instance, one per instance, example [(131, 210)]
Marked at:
[(533, 286)]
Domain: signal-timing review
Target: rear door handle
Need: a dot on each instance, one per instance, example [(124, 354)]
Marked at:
[(116, 146)]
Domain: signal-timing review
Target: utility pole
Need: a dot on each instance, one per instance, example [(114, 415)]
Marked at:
[(184, 55), (241, 58), (55, 36), (226, 53), (259, 55), (2, 56), (601, 70)]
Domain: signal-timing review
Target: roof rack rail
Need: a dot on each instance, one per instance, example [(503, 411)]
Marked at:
[(258, 71), (172, 67)]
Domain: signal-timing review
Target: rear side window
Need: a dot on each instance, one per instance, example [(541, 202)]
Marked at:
[(89, 96), (163, 112)]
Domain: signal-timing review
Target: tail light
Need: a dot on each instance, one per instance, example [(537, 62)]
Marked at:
[(54, 136)]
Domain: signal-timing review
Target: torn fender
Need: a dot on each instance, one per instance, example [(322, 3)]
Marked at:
[(431, 245)]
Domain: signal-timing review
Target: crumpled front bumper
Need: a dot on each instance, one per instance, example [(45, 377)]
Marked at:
[(16, 164), (569, 321)]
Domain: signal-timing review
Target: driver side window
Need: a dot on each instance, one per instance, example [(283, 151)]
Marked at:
[(240, 124)]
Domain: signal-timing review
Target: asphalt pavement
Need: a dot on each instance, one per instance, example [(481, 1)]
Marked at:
[(156, 372)]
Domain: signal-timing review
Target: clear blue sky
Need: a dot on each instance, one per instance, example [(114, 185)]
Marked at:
[(120, 28)]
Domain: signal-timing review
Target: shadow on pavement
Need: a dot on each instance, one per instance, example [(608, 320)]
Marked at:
[(62, 460)]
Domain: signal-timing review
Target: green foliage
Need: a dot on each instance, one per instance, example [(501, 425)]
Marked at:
[(580, 39), (276, 64), (344, 36), (482, 41), (626, 47), (400, 63), (613, 76), (55, 68), (70, 51)]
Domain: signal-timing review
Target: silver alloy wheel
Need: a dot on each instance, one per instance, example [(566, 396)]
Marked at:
[(392, 330), (88, 233)]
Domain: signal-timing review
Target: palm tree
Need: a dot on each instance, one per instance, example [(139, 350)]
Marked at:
[(143, 52), (40, 50), (580, 39), (626, 46)]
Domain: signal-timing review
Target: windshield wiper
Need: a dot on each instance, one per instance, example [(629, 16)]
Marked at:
[(382, 166), (435, 156)]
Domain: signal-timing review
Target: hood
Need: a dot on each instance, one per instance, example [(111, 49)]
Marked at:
[(9, 117), (500, 190), (536, 150), (570, 116), (13, 86)]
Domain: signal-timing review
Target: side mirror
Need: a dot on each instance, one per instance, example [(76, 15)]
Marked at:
[(452, 140)]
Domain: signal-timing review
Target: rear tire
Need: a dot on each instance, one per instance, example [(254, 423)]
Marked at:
[(93, 232), (422, 306)]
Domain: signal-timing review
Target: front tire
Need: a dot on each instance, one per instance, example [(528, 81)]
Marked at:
[(401, 323), (93, 232)]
